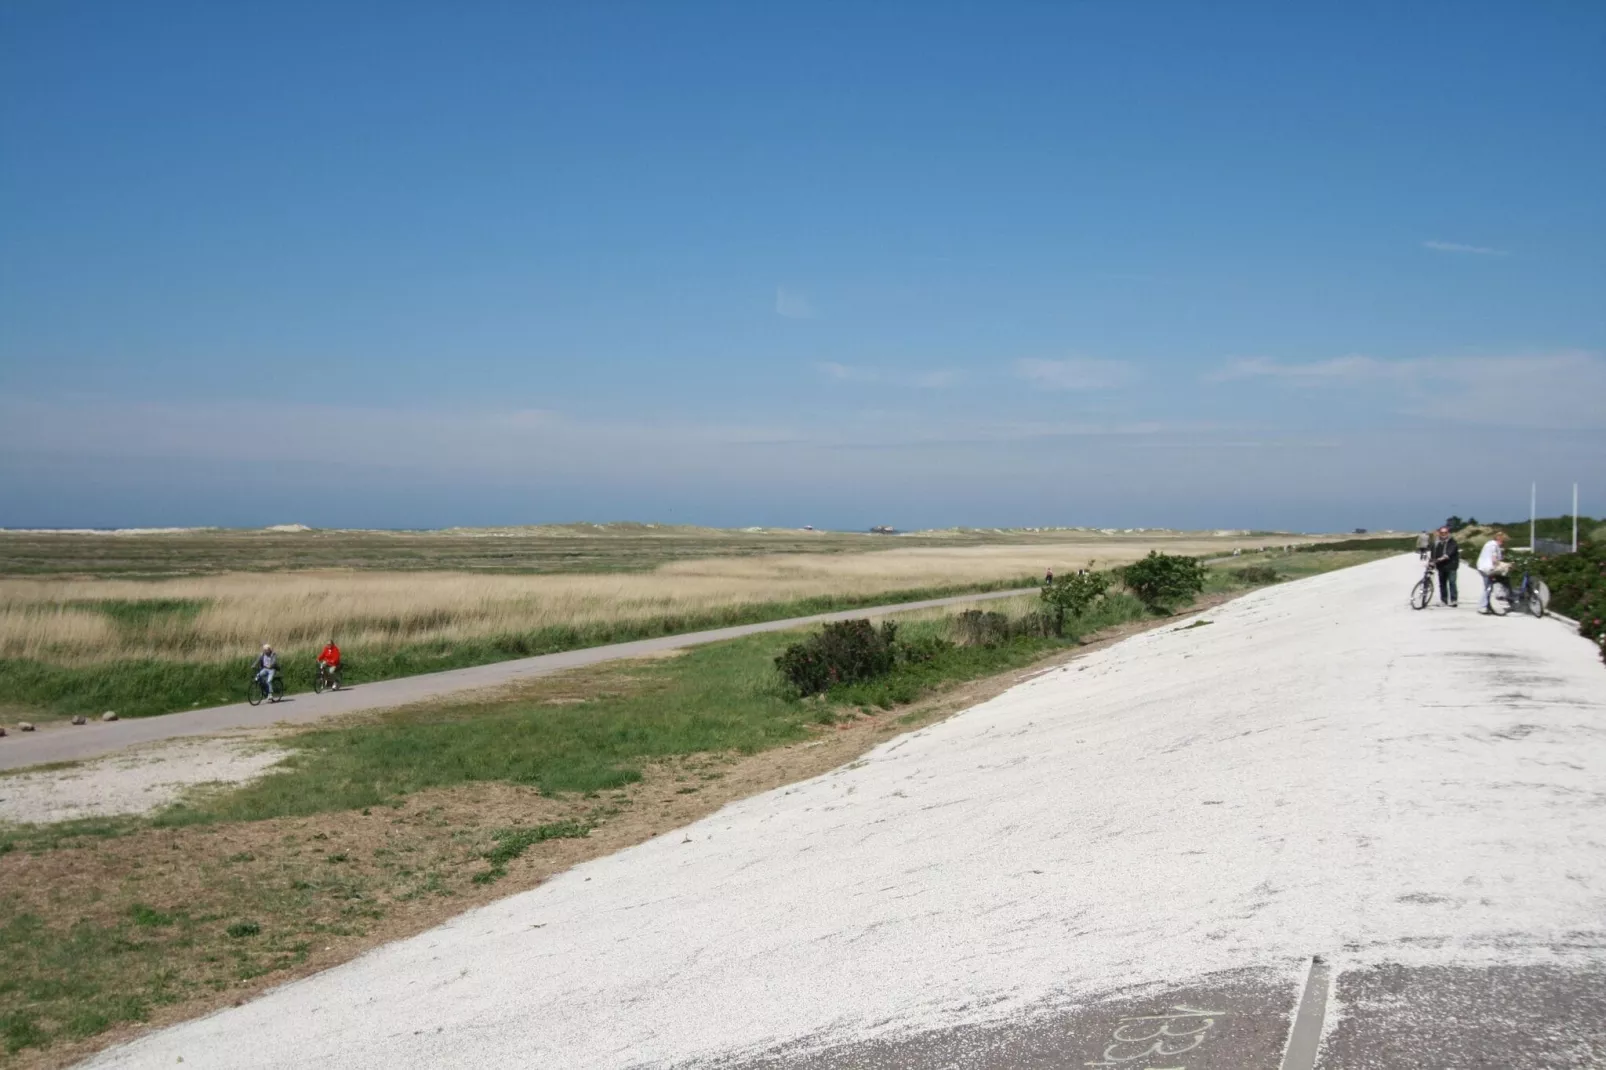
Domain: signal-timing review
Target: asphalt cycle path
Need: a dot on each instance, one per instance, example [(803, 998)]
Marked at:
[(1321, 831), (64, 742)]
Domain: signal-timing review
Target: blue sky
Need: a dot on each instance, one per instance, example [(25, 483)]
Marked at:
[(420, 264)]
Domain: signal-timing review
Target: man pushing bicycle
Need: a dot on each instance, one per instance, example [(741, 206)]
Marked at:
[(1446, 557)]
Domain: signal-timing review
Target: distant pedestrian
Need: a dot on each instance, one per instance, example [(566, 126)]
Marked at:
[(1447, 559), (1491, 564), (1048, 577), (1423, 542)]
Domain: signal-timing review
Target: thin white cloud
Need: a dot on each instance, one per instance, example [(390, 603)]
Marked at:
[(846, 373), (793, 304), (1563, 390), (939, 379), (1458, 247), (1076, 374), (1337, 369)]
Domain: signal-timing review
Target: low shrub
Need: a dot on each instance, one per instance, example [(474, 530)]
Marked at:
[(1162, 581), (920, 649), (1255, 574), (1577, 583), (844, 652), (976, 627), (1034, 625)]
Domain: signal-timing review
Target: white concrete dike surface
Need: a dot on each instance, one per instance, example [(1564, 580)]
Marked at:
[(1128, 862)]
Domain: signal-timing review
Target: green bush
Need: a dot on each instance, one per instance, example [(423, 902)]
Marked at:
[(1577, 583), (976, 627), (1255, 574), (1162, 581), (920, 649), (844, 652), (1073, 595)]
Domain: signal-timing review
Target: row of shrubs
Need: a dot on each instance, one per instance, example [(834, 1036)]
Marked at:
[(1577, 583), (852, 651)]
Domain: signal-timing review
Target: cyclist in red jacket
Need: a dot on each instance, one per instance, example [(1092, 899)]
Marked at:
[(329, 664)]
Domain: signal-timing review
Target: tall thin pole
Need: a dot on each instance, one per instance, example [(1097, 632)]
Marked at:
[(1533, 509), (1575, 518)]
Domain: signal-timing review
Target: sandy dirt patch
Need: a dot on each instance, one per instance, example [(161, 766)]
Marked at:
[(132, 783)]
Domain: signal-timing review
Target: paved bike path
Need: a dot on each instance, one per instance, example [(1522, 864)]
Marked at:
[(62, 742), (1132, 861)]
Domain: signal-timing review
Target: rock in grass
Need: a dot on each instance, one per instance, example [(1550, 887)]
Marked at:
[(25, 726), (109, 715), (80, 719)]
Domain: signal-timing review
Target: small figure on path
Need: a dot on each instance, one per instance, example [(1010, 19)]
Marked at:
[(1048, 577), (329, 664), (1490, 560), (267, 664), (1447, 559), (1422, 544)]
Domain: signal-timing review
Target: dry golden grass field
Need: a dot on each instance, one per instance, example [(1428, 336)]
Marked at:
[(82, 620), (150, 622)]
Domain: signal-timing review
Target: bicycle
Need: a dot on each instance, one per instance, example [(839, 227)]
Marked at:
[(1422, 593), (325, 678), (257, 691), (1528, 595)]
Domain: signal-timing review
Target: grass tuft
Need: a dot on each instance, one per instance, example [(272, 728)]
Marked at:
[(513, 842), (149, 916)]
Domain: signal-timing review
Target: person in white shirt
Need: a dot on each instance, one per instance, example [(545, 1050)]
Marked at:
[(1489, 561)]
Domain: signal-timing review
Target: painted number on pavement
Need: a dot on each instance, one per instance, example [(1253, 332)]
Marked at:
[(1157, 1037)]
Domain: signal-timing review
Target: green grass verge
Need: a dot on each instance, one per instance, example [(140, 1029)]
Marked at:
[(721, 697), (717, 698), (908, 682), (144, 688)]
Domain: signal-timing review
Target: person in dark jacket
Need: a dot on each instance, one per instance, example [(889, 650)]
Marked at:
[(1447, 559)]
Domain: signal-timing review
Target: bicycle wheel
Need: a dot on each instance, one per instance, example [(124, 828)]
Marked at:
[(1422, 594), (278, 687), (1536, 604), (1500, 599), (253, 694), (317, 683)]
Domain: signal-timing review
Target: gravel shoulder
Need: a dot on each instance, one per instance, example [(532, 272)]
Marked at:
[(136, 782), (1193, 813)]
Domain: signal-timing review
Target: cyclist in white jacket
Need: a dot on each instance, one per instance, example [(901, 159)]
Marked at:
[(1489, 562)]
